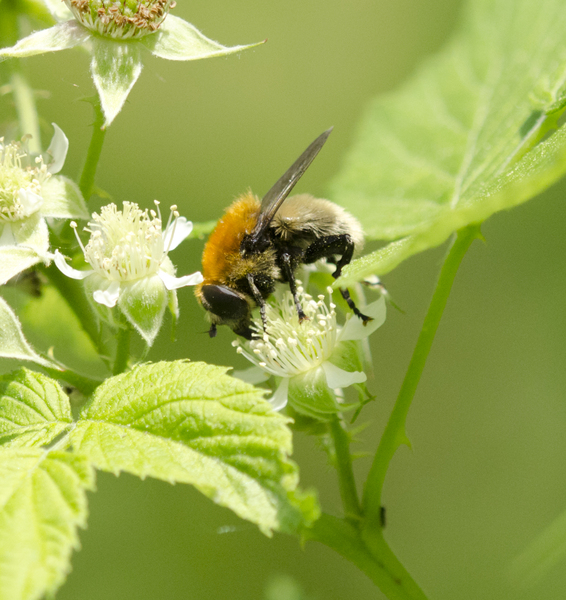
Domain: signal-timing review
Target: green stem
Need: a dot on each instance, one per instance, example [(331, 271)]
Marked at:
[(348, 492), (86, 183), (25, 107), (394, 434), (386, 572), (82, 383), (122, 350)]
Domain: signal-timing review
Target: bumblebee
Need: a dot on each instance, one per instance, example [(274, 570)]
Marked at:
[(257, 244)]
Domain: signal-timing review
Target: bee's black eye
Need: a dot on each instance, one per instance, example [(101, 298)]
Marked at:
[(225, 302)]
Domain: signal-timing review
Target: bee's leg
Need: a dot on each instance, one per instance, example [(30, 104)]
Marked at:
[(329, 246), (287, 269), (212, 330), (346, 295), (258, 298)]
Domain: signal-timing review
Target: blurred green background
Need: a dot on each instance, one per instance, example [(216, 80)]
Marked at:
[(487, 472)]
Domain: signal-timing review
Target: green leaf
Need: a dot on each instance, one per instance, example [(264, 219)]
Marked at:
[(34, 409), (115, 68), (192, 423), (42, 502), (178, 40), (62, 199), (459, 141), (13, 344)]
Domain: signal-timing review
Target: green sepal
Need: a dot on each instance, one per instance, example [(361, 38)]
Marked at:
[(310, 395), (115, 68), (14, 260), (178, 40), (62, 199), (143, 303), (59, 37)]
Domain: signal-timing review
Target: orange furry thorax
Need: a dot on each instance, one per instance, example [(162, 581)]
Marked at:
[(223, 245)]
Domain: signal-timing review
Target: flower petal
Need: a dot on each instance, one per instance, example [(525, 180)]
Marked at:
[(30, 201), (279, 399), (354, 329), (178, 40), (60, 37), (109, 295), (67, 270), (174, 283), (62, 199), (338, 378), (58, 150), (177, 231), (115, 68), (253, 375)]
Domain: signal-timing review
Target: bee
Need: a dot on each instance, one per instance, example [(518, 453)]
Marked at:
[(257, 244)]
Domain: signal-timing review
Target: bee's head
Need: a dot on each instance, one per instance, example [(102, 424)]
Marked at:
[(227, 307)]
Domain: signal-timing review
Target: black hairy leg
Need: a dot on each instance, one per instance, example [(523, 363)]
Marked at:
[(328, 247), (258, 298), (287, 268), (346, 295)]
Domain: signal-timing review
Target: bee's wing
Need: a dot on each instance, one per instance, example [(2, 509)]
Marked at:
[(279, 192)]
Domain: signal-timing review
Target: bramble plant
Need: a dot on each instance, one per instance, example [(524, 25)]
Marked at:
[(476, 130)]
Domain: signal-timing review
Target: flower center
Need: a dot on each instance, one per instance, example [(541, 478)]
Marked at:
[(125, 244), (287, 347), (20, 186), (121, 19)]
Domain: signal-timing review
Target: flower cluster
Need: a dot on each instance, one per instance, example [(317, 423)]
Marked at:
[(309, 358)]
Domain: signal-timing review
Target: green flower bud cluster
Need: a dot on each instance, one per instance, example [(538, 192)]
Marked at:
[(121, 19)]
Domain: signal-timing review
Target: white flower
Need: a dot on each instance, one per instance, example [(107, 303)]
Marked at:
[(115, 32), (30, 192), (310, 358), (128, 252)]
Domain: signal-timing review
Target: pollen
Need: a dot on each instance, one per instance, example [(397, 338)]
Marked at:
[(126, 244), (20, 183), (121, 19), (287, 347)]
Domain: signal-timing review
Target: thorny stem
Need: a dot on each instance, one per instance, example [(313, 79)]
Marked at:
[(385, 571), (86, 183), (348, 492), (394, 434)]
